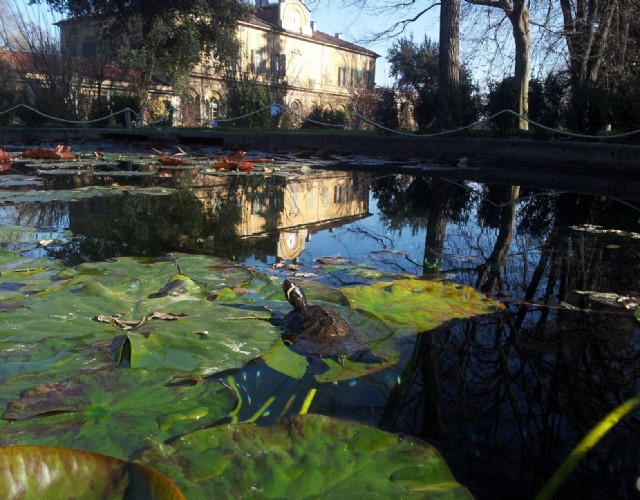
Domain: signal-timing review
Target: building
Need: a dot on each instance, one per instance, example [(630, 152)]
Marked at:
[(281, 49)]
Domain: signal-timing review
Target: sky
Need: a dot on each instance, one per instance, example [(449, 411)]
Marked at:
[(354, 25)]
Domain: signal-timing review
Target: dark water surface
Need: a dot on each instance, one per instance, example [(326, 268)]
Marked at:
[(504, 398)]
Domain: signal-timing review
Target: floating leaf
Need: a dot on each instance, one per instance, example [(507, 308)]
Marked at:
[(412, 305), (55, 472), (68, 303), (115, 411), (302, 457), (79, 193)]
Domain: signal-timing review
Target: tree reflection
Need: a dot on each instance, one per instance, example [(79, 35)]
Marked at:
[(505, 399), (417, 202), (489, 273), (152, 225)]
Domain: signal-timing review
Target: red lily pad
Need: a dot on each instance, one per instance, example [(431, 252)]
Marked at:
[(55, 472)]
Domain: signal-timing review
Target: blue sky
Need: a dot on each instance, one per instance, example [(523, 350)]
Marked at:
[(356, 25)]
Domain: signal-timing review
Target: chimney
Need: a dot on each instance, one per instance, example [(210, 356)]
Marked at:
[(313, 26), (338, 35)]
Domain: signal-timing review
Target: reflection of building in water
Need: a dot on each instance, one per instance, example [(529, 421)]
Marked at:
[(290, 208)]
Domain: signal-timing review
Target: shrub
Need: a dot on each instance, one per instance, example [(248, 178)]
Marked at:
[(386, 113), (325, 118), (589, 109)]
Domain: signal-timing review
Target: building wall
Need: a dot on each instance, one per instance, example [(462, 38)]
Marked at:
[(279, 44)]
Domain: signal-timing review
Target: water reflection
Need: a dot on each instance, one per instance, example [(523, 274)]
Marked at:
[(504, 398), (233, 216), (507, 398)]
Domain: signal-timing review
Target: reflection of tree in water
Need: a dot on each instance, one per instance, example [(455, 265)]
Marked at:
[(417, 202), (506, 399), (154, 225), (132, 225), (505, 405), (489, 273), (32, 214)]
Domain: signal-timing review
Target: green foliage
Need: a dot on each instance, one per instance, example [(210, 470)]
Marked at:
[(555, 95), (170, 37), (460, 105), (120, 102), (548, 102), (589, 110), (324, 118), (387, 111), (502, 95), (9, 91), (245, 95), (413, 65), (625, 102)]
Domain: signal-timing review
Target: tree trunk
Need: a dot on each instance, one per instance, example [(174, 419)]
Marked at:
[(448, 60), (519, 18), (518, 15)]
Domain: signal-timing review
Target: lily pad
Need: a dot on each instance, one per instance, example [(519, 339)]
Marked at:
[(79, 193), (117, 411), (307, 456), (205, 337), (45, 472), (411, 306)]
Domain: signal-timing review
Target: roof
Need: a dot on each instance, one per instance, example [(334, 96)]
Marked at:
[(24, 62), (265, 18)]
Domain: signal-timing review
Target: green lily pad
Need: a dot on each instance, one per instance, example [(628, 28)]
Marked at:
[(45, 472), (71, 327), (203, 336), (124, 173), (411, 306), (117, 411), (305, 456), (79, 193), (6, 256)]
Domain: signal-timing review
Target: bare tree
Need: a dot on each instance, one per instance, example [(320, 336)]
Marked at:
[(598, 35), (517, 12), (53, 82)]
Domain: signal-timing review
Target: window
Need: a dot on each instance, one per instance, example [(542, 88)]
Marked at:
[(279, 65), (342, 77), (359, 77), (259, 61)]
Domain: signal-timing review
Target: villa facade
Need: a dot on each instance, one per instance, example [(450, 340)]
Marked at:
[(282, 49)]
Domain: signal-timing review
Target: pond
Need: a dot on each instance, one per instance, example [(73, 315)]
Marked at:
[(503, 396)]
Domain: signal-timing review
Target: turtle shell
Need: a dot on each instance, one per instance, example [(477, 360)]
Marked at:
[(321, 330)]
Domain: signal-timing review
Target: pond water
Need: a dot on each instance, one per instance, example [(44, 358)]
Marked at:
[(503, 397)]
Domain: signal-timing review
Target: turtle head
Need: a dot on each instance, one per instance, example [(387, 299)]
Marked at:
[(294, 295)]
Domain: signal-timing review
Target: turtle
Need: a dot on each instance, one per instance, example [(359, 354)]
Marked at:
[(321, 331)]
